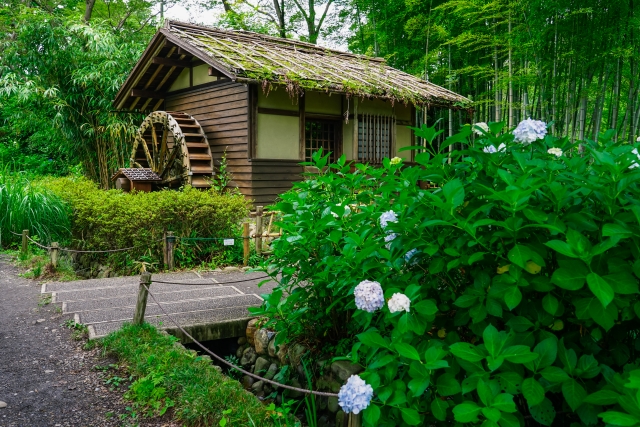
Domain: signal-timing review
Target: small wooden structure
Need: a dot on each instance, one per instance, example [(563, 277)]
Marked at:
[(269, 104), (139, 179)]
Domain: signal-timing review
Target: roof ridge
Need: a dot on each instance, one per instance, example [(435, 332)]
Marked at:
[(282, 42)]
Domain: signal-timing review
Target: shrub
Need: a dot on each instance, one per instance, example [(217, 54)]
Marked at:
[(25, 206), (113, 219), (521, 266)]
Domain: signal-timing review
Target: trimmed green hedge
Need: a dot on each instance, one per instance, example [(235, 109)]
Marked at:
[(113, 219), (170, 376)]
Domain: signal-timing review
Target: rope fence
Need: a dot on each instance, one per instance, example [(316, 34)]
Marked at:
[(145, 286), (169, 241)]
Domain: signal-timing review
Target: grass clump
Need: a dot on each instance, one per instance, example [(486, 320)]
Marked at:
[(27, 206), (169, 376)]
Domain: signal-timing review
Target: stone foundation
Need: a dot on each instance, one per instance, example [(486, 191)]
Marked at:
[(258, 354)]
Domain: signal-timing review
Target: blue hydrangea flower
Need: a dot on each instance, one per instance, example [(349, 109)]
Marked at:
[(491, 149), (369, 296), (529, 131), (409, 255), (387, 217), (389, 238), (355, 395)]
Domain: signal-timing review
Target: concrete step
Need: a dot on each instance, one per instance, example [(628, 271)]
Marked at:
[(206, 322), (116, 281), (125, 290), (163, 296), (126, 313), (247, 283)]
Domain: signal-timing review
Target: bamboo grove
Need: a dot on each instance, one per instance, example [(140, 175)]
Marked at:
[(571, 62)]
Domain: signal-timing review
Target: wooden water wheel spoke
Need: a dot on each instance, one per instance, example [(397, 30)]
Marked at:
[(179, 154), (154, 138)]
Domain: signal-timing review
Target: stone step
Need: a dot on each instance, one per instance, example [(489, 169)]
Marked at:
[(205, 318), (126, 313), (129, 299), (117, 281), (247, 283), (125, 290)]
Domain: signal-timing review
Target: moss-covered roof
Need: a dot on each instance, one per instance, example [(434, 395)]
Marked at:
[(256, 58)]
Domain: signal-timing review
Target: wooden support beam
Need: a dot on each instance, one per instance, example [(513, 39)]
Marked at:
[(168, 43), (302, 132), (147, 94), (178, 63), (215, 73)]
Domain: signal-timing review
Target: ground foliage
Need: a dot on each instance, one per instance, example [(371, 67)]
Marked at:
[(169, 376), (524, 288), (112, 219)]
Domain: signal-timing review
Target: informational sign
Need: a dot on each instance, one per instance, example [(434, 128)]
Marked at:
[(228, 242)]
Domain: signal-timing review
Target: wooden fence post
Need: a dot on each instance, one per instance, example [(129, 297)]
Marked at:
[(25, 242), (171, 240), (258, 232), (245, 242), (165, 260), (141, 305), (54, 254)]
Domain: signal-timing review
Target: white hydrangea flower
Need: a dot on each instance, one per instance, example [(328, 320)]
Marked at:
[(529, 131), (555, 151), (635, 164), (369, 296), (399, 302), (491, 149), (396, 160), (481, 125), (638, 139), (387, 217), (389, 238), (355, 395)]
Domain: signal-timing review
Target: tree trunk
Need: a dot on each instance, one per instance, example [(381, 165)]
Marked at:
[(278, 6), (613, 124), (511, 118), (554, 109), (88, 10), (495, 84)]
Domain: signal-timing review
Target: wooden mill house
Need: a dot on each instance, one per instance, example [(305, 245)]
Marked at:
[(268, 103)]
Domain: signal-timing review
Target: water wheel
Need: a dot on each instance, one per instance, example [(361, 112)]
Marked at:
[(175, 147)]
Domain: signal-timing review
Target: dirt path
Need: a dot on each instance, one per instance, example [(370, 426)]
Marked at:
[(46, 378)]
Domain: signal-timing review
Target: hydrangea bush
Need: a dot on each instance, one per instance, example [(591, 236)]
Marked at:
[(519, 302)]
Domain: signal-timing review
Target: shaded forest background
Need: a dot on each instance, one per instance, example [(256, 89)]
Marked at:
[(574, 63)]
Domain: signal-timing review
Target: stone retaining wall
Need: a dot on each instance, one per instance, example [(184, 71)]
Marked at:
[(258, 354)]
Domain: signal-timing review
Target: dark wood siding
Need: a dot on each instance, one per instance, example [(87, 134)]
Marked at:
[(223, 112), (268, 178)]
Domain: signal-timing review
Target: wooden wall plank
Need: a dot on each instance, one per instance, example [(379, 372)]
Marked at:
[(202, 100), (223, 112)]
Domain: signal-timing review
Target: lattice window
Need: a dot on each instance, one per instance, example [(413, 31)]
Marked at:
[(321, 134), (376, 137)]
